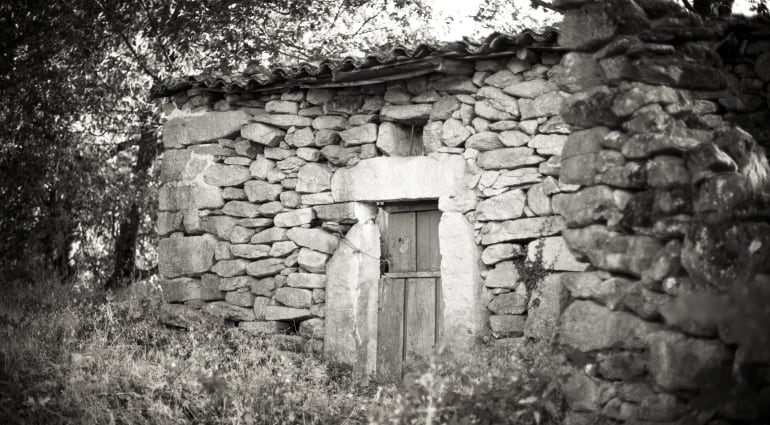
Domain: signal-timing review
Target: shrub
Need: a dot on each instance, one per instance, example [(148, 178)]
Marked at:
[(72, 356), (493, 387)]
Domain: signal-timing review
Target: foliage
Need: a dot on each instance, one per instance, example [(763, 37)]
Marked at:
[(89, 360), (492, 387), (81, 132), (512, 16), (76, 356)]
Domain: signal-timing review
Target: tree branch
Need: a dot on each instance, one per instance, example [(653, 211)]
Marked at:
[(127, 42), (155, 28), (544, 5), (688, 6)]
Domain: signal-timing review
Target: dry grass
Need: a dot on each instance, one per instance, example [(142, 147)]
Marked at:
[(78, 357)]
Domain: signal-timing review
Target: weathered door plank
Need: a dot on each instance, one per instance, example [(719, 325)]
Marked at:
[(390, 329), (428, 255), (420, 318), (402, 243)]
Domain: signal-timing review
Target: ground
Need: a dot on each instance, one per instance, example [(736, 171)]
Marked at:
[(76, 356)]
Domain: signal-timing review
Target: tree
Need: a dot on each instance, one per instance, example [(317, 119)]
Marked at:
[(81, 135)]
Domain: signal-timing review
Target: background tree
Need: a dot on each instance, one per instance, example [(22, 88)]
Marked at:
[(81, 135)]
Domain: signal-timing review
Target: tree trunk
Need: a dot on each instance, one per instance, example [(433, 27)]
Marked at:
[(713, 8), (125, 244), (60, 235)]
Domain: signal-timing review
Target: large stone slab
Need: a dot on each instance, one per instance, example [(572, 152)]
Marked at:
[(406, 113), (189, 197), (313, 178), (528, 228), (263, 134), (346, 212), (393, 179), (588, 326), (506, 206), (396, 140), (229, 312), (316, 239), (351, 293), (464, 315), (508, 158), (178, 132), (185, 256), (553, 253), (275, 312), (678, 362)]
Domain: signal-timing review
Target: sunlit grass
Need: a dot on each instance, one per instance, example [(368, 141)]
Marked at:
[(85, 358)]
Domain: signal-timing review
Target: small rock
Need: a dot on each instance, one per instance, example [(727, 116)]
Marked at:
[(294, 297), (306, 280), (509, 205), (494, 254), (294, 218), (366, 133), (509, 303), (230, 268), (265, 268), (228, 311), (315, 239), (281, 107), (250, 251), (262, 134), (312, 261), (259, 191)]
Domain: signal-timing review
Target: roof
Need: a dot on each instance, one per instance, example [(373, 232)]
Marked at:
[(396, 63)]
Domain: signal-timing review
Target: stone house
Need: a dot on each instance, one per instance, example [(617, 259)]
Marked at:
[(541, 188)]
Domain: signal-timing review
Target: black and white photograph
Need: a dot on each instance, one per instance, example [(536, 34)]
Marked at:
[(385, 212)]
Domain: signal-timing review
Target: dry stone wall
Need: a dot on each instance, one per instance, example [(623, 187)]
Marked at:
[(608, 189), (671, 215), (254, 201)]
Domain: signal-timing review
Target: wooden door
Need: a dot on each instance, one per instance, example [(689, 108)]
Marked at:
[(410, 310)]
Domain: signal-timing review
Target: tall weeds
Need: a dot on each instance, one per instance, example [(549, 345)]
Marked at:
[(69, 356)]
